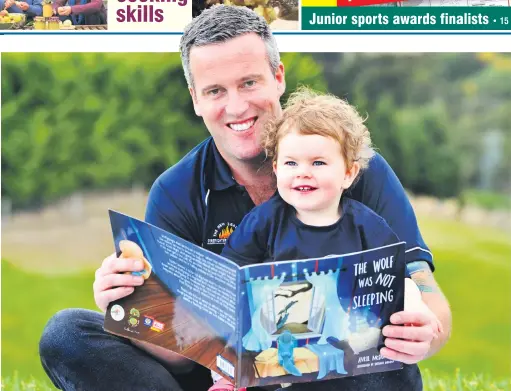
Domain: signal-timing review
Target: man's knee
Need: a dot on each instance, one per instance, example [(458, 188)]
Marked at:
[(64, 331)]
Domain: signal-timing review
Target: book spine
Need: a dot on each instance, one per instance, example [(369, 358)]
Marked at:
[(239, 324)]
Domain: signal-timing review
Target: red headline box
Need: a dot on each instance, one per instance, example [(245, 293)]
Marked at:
[(357, 3)]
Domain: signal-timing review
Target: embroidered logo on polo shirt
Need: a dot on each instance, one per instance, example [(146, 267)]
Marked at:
[(222, 233)]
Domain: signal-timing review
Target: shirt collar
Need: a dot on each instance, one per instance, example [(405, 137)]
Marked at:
[(222, 175)]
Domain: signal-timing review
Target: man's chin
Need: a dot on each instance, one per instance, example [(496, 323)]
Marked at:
[(255, 155)]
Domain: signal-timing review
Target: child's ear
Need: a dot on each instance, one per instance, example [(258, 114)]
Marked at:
[(350, 175), (275, 167)]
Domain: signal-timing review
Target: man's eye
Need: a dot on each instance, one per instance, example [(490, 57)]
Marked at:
[(290, 163), (214, 91), (250, 83), (318, 163)]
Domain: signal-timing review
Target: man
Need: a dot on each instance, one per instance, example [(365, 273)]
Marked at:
[(82, 12), (235, 78)]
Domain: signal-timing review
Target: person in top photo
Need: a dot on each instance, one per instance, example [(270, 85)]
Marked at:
[(29, 8), (81, 12)]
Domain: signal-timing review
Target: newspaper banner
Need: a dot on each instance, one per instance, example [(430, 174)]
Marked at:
[(172, 16)]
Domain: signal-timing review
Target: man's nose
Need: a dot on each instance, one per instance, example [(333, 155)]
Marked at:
[(236, 105)]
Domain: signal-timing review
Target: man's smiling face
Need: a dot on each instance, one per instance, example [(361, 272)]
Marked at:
[(235, 92)]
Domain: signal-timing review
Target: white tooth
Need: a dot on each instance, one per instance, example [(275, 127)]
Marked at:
[(241, 127)]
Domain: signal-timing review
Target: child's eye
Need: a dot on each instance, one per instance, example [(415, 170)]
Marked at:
[(318, 163), (290, 163)]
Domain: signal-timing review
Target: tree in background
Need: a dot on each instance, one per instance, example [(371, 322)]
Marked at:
[(94, 121), (430, 114)]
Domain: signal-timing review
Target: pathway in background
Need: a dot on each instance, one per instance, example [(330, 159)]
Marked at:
[(75, 235)]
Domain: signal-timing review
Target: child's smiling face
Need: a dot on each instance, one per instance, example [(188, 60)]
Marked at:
[(311, 176)]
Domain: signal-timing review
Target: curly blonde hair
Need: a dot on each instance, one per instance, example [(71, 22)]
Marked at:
[(310, 113)]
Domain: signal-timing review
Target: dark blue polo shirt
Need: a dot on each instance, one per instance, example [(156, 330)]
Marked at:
[(198, 200)]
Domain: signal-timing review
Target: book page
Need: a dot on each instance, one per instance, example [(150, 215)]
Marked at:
[(205, 283), (307, 320), (187, 303)]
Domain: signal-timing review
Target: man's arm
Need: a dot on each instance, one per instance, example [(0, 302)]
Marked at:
[(420, 273), (380, 189), (436, 301)]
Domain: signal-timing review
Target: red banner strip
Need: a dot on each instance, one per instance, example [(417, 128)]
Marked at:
[(357, 3)]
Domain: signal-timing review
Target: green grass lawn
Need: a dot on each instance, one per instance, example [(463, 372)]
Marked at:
[(474, 271), (473, 268), (487, 199), (453, 382), (28, 301)]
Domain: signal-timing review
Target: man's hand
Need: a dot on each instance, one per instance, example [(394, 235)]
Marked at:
[(409, 337), (64, 11), (8, 4), (424, 326), (24, 6), (111, 285)]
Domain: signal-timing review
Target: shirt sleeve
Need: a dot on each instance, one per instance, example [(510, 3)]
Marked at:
[(35, 9), (164, 210), (380, 190), (383, 235), (248, 243), (89, 8)]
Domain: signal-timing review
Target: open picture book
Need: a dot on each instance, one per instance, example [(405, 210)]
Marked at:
[(271, 323)]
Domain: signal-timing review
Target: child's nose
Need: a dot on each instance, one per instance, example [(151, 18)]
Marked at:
[(303, 172)]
